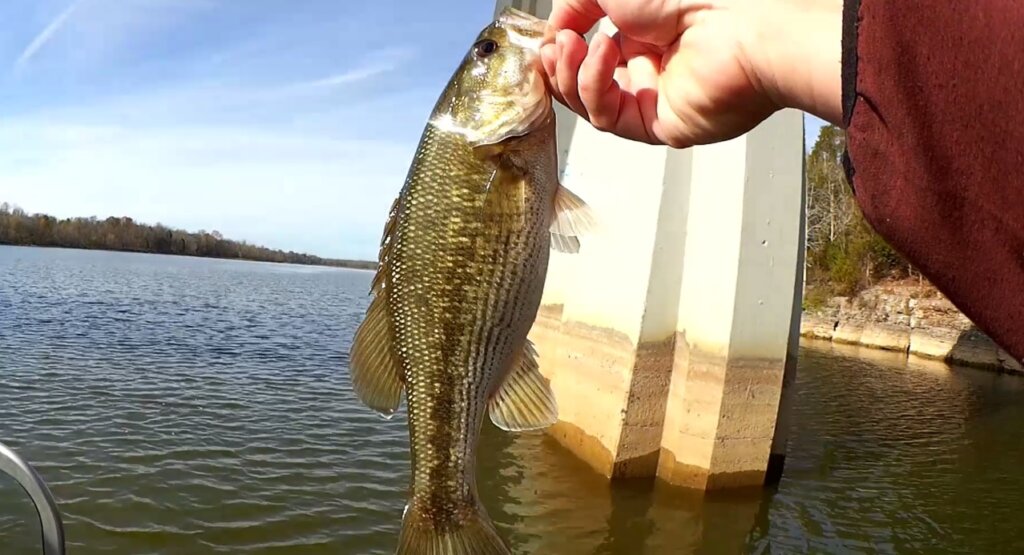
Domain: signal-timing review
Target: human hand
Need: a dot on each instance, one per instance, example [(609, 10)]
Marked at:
[(683, 72)]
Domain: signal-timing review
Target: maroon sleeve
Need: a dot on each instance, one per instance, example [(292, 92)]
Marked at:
[(933, 103)]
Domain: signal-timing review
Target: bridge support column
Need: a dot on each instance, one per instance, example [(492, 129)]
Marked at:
[(665, 337), (736, 307)]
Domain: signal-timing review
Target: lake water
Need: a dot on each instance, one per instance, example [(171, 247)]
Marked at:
[(192, 406)]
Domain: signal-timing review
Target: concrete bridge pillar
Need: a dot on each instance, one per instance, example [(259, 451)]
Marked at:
[(736, 307), (666, 337)]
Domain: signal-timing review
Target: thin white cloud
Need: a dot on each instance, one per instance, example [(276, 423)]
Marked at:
[(351, 76), (214, 95), (103, 30), (378, 63), (45, 35)]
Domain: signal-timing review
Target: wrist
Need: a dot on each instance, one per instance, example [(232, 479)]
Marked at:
[(795, 50)]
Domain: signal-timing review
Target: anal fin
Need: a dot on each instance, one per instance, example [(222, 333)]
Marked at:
[(525, 400)]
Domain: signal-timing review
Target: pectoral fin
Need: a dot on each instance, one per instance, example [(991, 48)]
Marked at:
[(525, 400), (562, 243), (572, 219)]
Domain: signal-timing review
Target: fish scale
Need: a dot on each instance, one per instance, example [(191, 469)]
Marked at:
[(471, 289), (461, 271)]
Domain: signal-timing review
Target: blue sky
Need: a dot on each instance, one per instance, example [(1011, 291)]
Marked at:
[(288, 124)]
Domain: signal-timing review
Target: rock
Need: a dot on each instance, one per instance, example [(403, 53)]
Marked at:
[(817, 327), (886, 336), (848, 332), (1009, 363), (915, 320), (973, 348), (934, 343), (968, 348), (939, 313)]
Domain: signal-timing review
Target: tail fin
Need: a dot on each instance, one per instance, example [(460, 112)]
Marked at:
[(474, 536)]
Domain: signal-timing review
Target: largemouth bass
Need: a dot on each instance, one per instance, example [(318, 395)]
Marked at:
[(462, 265)]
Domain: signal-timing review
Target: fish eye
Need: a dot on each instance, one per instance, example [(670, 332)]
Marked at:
[(485, 48)]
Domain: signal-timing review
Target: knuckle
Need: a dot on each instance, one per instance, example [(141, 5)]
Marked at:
[(602, 122)]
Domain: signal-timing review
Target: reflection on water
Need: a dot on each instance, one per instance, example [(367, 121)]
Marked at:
[(178, 405)]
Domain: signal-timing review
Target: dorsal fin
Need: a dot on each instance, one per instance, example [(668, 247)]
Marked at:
[(384, 252)]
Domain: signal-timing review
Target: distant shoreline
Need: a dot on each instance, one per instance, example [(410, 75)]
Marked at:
[(123, 234), (364, 265)]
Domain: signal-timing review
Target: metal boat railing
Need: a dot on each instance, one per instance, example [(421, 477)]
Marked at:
[(49, 515)]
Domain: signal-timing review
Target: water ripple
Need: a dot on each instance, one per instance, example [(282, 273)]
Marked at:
[(178, 405)]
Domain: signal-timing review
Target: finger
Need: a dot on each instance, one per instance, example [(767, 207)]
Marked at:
[(622, 78), (575, 15), (641, 106), (549, 63), (599, 93), (611, 96), (631, 47), (572, 52), (654, 22)]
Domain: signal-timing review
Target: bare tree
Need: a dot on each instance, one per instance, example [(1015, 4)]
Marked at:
[(830, 206)]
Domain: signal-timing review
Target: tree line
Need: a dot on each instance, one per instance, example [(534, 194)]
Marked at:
[(844, 254), (124, 234)]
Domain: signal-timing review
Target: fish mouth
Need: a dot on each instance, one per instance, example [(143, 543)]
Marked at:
[(528, 32), (525, 30)]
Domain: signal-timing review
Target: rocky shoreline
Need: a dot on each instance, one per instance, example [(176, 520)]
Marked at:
[(916, 320)]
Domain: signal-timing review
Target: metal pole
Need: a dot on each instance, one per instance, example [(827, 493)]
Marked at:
[(33, 484)]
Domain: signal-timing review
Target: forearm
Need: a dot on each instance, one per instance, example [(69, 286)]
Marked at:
[(795, 52)]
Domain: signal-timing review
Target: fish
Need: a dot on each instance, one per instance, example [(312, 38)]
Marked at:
[(460, 273)]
